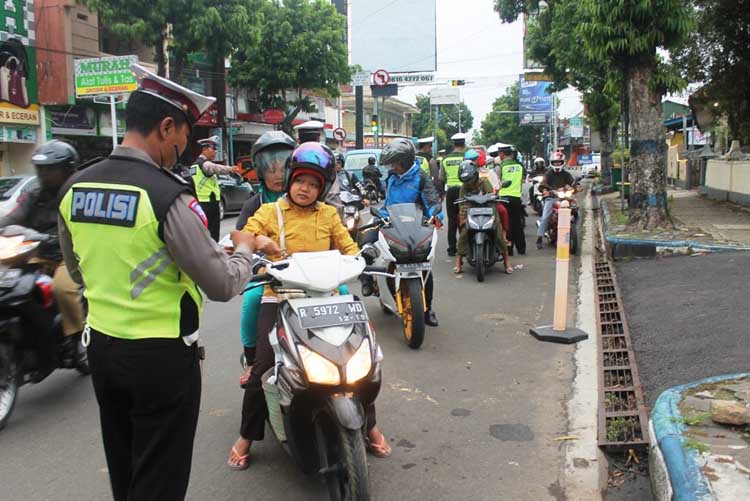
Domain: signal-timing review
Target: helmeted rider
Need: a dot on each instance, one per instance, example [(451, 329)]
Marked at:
[(55, 161), (348, 181), (539, 165), (406, 183), (373, 174), (555, 178)]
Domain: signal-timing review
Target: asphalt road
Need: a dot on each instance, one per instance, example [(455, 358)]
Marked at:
[(472, 415), (688, 317)]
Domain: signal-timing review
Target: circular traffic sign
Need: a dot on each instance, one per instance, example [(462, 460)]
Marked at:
[(381, 77), (339, 134)]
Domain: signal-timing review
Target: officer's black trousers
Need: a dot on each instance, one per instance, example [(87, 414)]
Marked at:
[(149, 394), (452, 209), (515, 210), (254, 408), (213, 216)]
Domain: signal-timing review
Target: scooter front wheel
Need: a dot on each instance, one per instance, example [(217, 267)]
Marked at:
[(346, 475), (480, 262), (412, 314), (8, 383)]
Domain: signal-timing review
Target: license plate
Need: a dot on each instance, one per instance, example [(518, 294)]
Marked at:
[(481, 211), (350, 210), (328, 315), (9, 278), (406, 267)]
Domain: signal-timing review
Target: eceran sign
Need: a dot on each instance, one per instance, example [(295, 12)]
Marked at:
[(105, 75)]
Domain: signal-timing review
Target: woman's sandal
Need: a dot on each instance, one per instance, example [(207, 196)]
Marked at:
[(381, 450), (243, 462)]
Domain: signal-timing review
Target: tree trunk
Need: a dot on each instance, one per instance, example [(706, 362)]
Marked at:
[(647, 167), (160, 59)]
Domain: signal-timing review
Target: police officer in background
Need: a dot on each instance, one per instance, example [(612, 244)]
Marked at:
[(428, 164), (511, 170), (204, 172), (311, 131), (136, 237), (451, 165)]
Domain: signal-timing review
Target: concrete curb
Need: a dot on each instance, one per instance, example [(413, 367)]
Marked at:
[(676, 471), (648, 247)]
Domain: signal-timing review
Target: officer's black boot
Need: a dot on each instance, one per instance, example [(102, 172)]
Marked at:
[(68, 351), (430, 318)]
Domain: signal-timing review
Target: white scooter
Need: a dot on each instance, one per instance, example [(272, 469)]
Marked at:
[(326, 371), (406, 250)]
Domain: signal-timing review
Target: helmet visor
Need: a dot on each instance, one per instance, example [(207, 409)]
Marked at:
[(312, 153)]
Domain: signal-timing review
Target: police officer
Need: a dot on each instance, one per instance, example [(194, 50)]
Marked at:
[(311, 131), (511, 170), (429, 165), (204, 172), (451, 165), (136, 237)]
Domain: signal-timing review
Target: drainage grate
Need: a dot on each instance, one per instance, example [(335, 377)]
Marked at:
[(622, 414)]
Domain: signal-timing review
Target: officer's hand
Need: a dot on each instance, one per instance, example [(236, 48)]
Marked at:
[(366, 202), (266, 245), (241, 238)]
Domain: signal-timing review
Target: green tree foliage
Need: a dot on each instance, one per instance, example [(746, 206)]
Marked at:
[(424, 125), (302, 46), (504, 127), (717, 52)]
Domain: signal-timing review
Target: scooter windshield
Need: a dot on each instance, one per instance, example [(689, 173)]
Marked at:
[(408, 238)]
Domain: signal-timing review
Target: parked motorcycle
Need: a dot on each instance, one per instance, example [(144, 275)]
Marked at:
[(27, 310), (326, 371), (482, 226), (566, 193), (352, 205), (405, 249)]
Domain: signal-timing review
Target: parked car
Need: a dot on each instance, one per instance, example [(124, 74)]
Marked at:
[(234, 192), (13, 189), (356, 160)]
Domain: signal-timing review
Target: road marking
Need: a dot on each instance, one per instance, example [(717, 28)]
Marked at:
[(416, 392)]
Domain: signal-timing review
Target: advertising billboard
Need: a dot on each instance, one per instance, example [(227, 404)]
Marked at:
[(18, 79), (399, 37), (534, 102)]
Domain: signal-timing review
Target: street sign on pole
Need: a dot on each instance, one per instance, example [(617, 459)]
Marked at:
[(381, 77), (339, 134), (105, 75), (444, 95), (361, 78), (384, 90)]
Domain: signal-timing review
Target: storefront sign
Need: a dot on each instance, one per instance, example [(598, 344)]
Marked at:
[(105, 75), (18, 134), (210, 118), (73, 120), (576, 127), (11, 114), (273, 116)]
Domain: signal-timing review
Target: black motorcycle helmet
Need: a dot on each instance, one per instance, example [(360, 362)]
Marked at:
[(340, 158), (316, 157), (272, 143), (400, 151), (56, 153), (468, 171), (371, 160)]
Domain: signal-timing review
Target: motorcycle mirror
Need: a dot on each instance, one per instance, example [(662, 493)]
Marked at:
[(506, 184), (374, 212)]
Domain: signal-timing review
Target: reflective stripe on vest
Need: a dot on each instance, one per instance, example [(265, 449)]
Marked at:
[(134, 288), (452, 164), (205, 185), (424, 164), (511, 171)]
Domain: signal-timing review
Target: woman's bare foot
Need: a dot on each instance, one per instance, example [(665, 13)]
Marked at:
[(508, 266), (377, 444), (458, 265), (239, 455)]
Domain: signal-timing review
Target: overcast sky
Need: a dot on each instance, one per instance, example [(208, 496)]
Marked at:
[(473, 45)]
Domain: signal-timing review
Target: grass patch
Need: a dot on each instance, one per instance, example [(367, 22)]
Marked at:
[(616, 428), (693, 418), (696, 445)]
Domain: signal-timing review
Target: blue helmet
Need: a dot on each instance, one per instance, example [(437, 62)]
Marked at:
[(316, 157)]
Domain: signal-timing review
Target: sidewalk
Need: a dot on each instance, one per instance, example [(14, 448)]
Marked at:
[(700, 224)]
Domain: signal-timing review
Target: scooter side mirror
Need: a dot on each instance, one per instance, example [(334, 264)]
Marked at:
[(506, 184), (374, 212)]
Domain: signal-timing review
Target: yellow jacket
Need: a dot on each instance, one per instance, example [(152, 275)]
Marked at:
[(312, 229)]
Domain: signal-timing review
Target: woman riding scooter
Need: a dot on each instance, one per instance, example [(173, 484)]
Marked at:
[(309, 225)]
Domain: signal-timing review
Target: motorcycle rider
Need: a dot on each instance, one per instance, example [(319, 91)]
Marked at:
[(555, 178), (406, 183), (308, 225), (474, 184), (451, 164), (373, 174), (269, 153), (539, 167), (429, 165), (55, 161), (348, 181), (510, 170), (480, 160), (204, 173)]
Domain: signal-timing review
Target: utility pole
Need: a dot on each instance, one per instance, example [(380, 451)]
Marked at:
[(359, 128), (554, 120), (459, 117)]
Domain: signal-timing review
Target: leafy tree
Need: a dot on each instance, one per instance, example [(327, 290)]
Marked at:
[(424, 125), (625, 36), (717, 52), (302, 47), (504, 127)]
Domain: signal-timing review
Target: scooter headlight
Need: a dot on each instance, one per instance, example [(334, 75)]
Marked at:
[(317, 368), (360, 364)]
